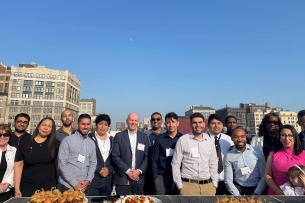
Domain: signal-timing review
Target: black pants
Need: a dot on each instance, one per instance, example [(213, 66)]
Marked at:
[(149, 188), (244, 190), (5, 196), (133, 189), (100, 186), (222, 189), (164, 185)]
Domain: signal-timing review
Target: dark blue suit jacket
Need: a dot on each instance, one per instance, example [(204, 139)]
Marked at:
[(100, 161), (302, 139), (122, 156)]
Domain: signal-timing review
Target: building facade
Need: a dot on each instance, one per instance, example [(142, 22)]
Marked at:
[(287, 117), (41, 92), (120, 126), (205, 111), (5, 74), (87, 106), (3, 102), (238, 113)]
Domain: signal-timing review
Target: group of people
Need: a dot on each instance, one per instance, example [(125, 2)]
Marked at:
[(158, 161)]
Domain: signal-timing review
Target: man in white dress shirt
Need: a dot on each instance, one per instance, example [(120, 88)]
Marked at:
[(194, 162), (223, 143)]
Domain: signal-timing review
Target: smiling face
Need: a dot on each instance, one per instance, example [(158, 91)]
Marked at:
[(102, 128), (21, 124), (172, 125), (84, 126), (287, 138), (231, 124), (239, 138), (156, 121), (272, 124), (215, 126), (45, 128), (132, 122), (4, 137), (197, 125), (67, 118)]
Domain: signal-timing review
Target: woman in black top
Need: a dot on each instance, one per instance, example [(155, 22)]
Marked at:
[(36, 160), (7, 155)]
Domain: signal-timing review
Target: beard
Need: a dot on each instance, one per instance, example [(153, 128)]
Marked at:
[(19, 131), (66, 124)]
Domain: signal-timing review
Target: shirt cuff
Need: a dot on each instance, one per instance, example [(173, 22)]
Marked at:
[(139, 170), (127, 171), (215, 183), (179, 185)]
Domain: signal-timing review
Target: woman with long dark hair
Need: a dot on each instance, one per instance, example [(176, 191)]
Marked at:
[(36, 160), (288, 151), (268, 133)]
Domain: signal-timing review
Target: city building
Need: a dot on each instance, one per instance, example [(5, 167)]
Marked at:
[(286, 116), (252, 107), (147, 124), (205, 111), (41, 92), (5, 74), (120, 126), (238, 113), (87, 106), (3, 102)]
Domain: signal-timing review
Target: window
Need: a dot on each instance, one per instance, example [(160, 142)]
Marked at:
[(1, 101), (17, 95), (15, 74), (19, 74), (18, 87), (26, 75), (18, 81), (13, 95), (14, 81), (59, 77)]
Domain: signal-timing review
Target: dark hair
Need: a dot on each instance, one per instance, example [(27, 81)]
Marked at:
[(171, 115), (155, 113), (228, 117), (262, 127), (103, 117), (301, 114), (214, 116), (51, 140), (7, 128), (84, 115), (196, 115), (298, 148), (238, 128), (22, 115)]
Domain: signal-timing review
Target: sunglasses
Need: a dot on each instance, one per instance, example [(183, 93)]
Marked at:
[(156, 119), (5, 135), (273, 122)]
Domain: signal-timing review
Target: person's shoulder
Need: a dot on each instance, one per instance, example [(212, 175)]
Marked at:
[(120, 133), (12, 148)]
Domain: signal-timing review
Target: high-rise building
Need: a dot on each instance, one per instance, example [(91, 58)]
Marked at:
[(120, 126), (238, 113), (5, 74), (287, 117), (41, 92), (87, 106), (147, 124), (205, 111), (3, 102)]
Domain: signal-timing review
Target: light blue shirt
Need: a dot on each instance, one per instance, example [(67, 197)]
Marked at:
[(253, 158), (71, 170)]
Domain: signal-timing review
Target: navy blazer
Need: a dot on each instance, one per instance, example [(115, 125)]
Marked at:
[(122, 156), (100, 161)]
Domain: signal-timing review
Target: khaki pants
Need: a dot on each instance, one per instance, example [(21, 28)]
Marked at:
[(198, 189)]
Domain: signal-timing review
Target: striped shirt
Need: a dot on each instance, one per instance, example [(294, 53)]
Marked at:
[(71, 170), (195, 159)]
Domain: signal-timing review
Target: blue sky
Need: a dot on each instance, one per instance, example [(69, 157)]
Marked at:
[(157, 55)]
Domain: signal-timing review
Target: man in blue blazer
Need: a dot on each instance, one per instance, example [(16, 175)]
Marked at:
[(101, 184), (130, 157)]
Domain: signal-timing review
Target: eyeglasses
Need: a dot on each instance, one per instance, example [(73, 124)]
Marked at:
[(273, 122), (5, 135), (286, 136), (22, 122), (156, 119)]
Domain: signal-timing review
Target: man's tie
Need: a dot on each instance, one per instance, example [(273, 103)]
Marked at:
[(218, 151)]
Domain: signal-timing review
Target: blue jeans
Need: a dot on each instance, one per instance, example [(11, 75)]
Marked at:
[(100, 186)]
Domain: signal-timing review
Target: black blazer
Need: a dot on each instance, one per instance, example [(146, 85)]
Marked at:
[(122, 156), (100, 161)]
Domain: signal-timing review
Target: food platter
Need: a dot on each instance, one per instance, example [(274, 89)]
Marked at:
[(137, 199)]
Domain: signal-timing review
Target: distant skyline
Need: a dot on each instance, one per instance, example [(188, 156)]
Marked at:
[(147, 56)]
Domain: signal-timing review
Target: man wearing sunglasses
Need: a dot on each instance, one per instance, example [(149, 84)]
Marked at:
[(156, 122), (21, 123)]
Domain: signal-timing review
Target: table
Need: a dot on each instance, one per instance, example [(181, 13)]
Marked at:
[(196, 199)]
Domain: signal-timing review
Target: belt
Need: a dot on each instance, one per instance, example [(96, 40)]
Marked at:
[(197, 181)]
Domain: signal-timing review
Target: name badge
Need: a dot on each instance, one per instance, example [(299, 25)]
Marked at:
[(169, 152), (141, 146), (195, 152), (81, 158), (245, 171)]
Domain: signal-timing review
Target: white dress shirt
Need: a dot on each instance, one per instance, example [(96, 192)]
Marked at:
[(104, 145), (225, 144)]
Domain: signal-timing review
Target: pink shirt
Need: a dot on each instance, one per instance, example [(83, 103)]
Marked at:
[(281, 162)]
